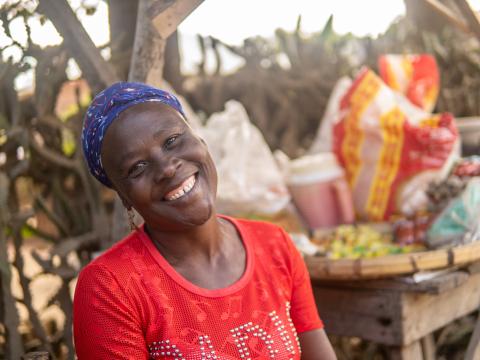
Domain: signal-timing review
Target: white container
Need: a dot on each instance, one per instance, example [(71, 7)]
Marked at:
[(319, 190)]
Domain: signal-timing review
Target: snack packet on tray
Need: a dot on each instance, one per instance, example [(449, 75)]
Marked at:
[(391, 150)]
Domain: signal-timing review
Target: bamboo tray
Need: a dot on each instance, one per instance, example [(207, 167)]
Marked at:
[(321, 268)]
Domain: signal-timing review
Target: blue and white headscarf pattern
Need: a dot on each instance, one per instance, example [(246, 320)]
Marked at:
[(105, 108)]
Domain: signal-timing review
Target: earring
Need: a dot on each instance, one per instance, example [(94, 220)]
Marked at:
[(131, 219)]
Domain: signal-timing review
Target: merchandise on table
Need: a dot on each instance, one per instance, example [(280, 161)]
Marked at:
[(441, 193), (468, 167), (460, 220), (362, 241)]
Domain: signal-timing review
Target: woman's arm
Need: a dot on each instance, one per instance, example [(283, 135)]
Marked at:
[(105, 323), (314, 342), (316, 346)]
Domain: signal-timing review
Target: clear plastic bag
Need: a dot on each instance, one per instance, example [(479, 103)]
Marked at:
[(249, 179)]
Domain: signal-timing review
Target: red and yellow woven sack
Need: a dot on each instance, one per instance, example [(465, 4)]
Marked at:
[(390, 148)]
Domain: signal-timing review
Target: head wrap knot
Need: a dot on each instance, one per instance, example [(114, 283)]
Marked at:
[(105, 108)]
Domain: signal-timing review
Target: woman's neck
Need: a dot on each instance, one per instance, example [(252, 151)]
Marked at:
[(202, 241)]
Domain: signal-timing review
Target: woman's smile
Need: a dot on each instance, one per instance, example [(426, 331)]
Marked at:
[(184, 189)]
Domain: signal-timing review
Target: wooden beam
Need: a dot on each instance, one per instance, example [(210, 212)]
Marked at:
[(95, 69), (448, 14), (168, 19)]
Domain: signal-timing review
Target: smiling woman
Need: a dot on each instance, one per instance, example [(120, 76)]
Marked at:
[(188, 283)]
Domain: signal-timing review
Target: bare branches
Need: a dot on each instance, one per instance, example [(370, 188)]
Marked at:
[(25, 284), (96, 70), (52, 156), (10, 316)]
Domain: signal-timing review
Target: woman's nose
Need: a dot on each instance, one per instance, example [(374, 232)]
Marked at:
[(166, 167)]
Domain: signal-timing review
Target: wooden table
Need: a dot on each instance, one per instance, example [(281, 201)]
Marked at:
[(397, 313)]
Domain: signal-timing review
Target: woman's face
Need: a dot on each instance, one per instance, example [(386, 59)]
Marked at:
[(159, 166)]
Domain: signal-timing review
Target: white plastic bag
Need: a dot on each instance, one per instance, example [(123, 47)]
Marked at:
[(324, 138), (248, 177)]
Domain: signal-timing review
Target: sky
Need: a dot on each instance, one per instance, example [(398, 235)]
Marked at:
[(233, 21)]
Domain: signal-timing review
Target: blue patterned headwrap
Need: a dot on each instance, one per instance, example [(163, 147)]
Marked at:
[(105, 108)]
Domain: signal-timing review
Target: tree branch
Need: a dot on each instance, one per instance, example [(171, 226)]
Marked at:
[(96, 70)]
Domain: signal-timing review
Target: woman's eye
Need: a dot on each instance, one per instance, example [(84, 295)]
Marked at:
[(170, 141), (136, 169)]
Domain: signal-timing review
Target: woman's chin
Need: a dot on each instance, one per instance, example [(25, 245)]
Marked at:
[(184, 219), (201, 216)]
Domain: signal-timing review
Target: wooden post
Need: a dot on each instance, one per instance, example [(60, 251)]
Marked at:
[(148, 48), (428, 347), (409, 352), (156, 20)]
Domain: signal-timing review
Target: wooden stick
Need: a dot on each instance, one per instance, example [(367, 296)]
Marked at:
[(470, 16), (448, 15)]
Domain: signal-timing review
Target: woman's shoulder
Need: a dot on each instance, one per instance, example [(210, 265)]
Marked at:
[(117, 260)]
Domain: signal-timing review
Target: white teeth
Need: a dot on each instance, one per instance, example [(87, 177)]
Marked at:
[(181, 190)]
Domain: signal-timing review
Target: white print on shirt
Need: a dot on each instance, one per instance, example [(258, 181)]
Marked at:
[(165, 349)]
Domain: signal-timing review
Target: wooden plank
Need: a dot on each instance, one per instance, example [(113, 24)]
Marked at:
[(370, 314), (167, 21), (409, 352), (443, 283), (425, 313), (436, 285), (387, 266), (474, 268)]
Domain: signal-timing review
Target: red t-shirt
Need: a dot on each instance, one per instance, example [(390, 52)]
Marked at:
[(130, 303)]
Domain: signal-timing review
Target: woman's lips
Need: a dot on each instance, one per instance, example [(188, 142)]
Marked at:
[(184, 188)]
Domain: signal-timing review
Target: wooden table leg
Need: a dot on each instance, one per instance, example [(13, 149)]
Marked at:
[(409, 352), (473, 350), (428, 347)]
